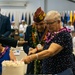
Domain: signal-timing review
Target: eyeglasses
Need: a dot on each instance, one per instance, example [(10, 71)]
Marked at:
[(49, 23)]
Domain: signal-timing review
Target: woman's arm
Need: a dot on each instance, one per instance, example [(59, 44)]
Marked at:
[(12, 56), (51, 51)]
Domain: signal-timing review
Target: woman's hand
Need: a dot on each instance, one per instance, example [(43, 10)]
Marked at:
[(32, 51), (26, 59), (37, 49)]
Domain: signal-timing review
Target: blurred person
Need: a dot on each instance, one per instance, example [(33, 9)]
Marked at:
[(5, 54), (12, 33), (74, 24), (13, 26), (70, 26), (5, 26), (35, 34), (74, 47), (16, 32), (73, 38), (13, 29), (22, 28), (16, 35), (57, 52)]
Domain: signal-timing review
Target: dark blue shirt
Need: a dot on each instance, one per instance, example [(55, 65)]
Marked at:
[(4, 57), (62, 60)]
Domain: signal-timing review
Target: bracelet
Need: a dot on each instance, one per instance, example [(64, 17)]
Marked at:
[(36, 56)]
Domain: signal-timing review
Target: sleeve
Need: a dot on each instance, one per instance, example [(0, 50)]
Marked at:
[(8, 27), (8, 41), (26, 45)]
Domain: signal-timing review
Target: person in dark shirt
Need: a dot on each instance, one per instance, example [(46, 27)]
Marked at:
[(11, 42), (35, 34), (5, 25)]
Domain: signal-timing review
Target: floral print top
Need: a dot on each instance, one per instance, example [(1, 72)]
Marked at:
[(62, 60)]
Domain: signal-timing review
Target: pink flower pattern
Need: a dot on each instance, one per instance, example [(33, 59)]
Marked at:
[(50, 36)]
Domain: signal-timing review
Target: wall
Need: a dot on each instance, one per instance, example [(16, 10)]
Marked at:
[(32, 5), (60, 5)]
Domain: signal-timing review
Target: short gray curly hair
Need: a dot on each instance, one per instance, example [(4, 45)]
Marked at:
[(53, 15)]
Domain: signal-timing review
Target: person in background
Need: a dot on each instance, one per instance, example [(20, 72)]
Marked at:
[(73, 38), (5, 25), (12, 33), (70, 26), (22, 28), (74, 24), (35, 34), (5, 30), (13, 29), (13, 26), (5, 54), (57, 52)]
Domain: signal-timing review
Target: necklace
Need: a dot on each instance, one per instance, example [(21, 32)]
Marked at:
[(51, 36), (35, 36), (42, 39)]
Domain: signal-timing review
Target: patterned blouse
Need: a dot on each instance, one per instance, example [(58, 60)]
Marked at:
[(62, 60)]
